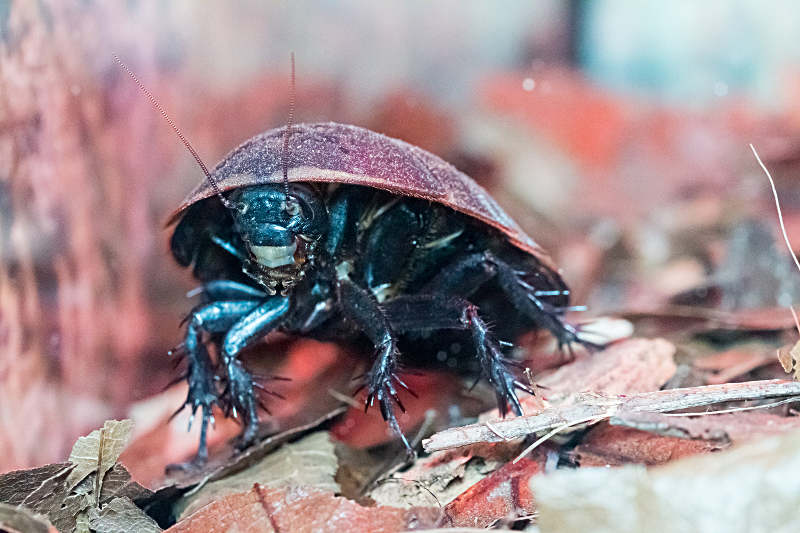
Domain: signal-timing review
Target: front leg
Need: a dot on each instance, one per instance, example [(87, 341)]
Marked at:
[(361, 307), (215, 317), (239, 394)]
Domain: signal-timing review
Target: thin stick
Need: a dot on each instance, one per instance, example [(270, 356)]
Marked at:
[(736, 409), (602, 407), (794, 315), (345, 399), (778, 207), (553, 433), (494, 430)]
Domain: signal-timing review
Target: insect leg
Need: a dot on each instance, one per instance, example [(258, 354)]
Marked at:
[(468, 274), (427, 312), (215, 317), (225, 289), (530, 301), (239, 394), (360, 306)]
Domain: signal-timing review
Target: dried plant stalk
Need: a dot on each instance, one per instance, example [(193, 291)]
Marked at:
[(600, 407)]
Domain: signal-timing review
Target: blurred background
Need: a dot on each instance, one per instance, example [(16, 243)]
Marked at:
[(616, 132)]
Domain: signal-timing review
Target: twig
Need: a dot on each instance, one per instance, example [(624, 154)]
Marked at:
[(604, 407), (494, 430), (553, 433), (349, 400), (777, 206), (736, 409)]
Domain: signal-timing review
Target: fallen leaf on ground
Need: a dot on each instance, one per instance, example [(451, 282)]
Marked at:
[(15, 519), (227, 461), (118, 483), (442, 476), (38, 489), (263, 510), (98, 451), (634, 365), (50, 490), (607, 445), (723, 367), (736, 427), (309, 462), (790, 359), (752, 487), (121, 514), (504, 494)]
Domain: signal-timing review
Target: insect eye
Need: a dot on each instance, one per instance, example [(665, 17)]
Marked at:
[(292, 206)]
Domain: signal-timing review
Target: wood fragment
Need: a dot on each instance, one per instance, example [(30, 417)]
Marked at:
[(597, 406)]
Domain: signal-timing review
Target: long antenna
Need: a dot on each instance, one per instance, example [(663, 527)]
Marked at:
[(227, 203), (287, 133)]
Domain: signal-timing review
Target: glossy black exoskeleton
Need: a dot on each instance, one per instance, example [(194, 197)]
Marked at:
[(343, 262)]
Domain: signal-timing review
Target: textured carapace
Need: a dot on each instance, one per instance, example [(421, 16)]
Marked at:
[(342, 153)]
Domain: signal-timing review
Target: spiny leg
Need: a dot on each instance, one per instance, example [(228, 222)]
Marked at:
[(530, 300), (361, 307), (239, 395), (203, 393), (431, 312), (528, 290)]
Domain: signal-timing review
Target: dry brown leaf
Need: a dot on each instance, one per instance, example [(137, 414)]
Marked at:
[(723, 367), (790, 360), (301, 510), (504, 494), (442, 476), (98, 452), (309, 462), (736, 427), (607, 445), (39, 489), (634, 365), (51, 490), (121, 514), (752, 487), (118, 483), (14, 519)]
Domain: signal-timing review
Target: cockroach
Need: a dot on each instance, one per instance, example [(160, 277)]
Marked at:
[(336, 232)]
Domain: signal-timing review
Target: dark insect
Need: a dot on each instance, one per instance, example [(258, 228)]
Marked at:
[(339, 233)]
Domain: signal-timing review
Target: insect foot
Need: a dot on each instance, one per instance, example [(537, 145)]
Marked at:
[(380, 384), (203, 394), (493, 365), (239, 400)]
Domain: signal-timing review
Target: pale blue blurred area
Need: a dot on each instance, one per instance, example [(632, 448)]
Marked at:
[(368, 48), (683, 52), (690, 52)]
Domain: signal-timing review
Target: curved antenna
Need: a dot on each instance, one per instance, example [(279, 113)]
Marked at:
[(227, 203), (286, 134)]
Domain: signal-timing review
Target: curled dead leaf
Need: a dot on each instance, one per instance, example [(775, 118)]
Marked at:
[(789, 359), (98, 452)]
